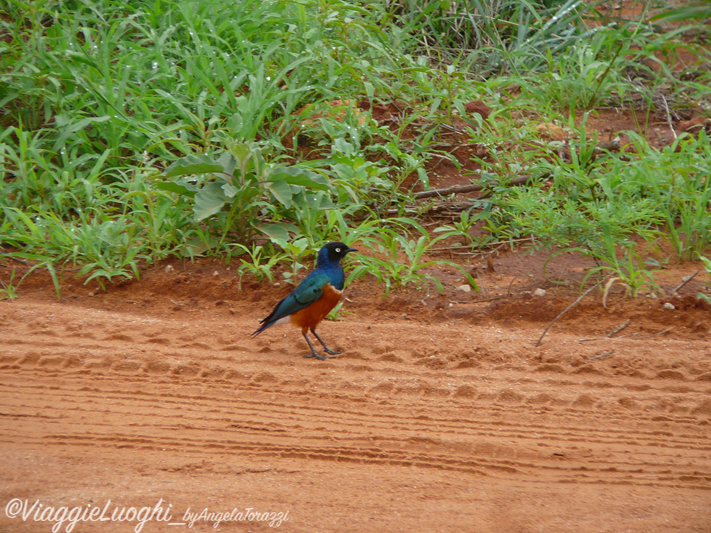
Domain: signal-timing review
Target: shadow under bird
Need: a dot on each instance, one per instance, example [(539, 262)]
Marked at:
[(315, 297)]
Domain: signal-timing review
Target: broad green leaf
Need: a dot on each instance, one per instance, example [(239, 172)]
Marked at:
[(230, 190), (228, 163), (193, 164), (281, 191), (277, 231), (314, 201), (178, 188), (209, 200), (299, 176)]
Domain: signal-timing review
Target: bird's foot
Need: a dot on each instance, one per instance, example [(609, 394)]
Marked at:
[(330, 352), (317, 356)]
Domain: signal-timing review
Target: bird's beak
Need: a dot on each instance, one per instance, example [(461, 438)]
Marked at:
[(351, 250)]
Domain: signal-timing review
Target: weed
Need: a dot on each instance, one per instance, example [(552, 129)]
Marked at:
[(294, 251), (464, 227), (386, 264), (258, 265), (234, 186), (9, 290), (707, 266), (129, 134)]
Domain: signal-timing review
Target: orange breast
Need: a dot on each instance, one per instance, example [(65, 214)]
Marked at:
[(310, 317)]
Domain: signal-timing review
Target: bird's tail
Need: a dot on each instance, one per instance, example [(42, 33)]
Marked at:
[(261, 328)]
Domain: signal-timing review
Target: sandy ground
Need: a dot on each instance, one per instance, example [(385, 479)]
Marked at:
[(440, 415)]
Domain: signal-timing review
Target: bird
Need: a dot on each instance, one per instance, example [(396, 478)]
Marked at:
[(315, 297)]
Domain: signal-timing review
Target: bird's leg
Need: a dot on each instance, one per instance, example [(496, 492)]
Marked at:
[(313, 351), (326, 348)]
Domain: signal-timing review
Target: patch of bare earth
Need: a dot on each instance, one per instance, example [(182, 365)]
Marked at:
[(440, 415)]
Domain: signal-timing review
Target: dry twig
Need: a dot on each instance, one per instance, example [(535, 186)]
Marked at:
[(474, 187), (654, 334), (684, 281), (620, 328), (610, 352), (566, 310)]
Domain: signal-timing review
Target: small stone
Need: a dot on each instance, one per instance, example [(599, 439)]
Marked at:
[(169, 269), (464, 288), (669, 305), (539, 293)]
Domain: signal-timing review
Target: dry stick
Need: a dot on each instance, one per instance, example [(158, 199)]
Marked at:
[(566, 310), (684, 282), (474, 187), (655, 334), (612, 146), (477, 301), (610, 352), (591, 339), (609, 335), (620, 328), (668, 116)]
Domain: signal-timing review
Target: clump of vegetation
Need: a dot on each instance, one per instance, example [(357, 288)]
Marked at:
[(134, 132)]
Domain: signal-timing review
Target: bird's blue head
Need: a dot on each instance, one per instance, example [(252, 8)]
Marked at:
[(332, 253)]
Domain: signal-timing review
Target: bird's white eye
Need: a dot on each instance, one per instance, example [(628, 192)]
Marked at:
[(338, 250)]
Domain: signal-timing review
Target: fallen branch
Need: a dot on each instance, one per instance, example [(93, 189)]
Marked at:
[(474, 187), (566, 310), (612, 146), (684, 281)]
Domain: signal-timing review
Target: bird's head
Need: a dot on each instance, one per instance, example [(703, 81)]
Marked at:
[(334, 251)]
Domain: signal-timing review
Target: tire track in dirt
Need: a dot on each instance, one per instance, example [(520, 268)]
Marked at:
[(82, 380)]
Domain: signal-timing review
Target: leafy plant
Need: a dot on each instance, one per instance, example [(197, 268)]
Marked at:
[(294, 250), (98, 99), (260, 264), (464, 227), (687, 198), (700, 11), (233, 188), (9, 290), (507, 35), (707, 266), (386, 264)]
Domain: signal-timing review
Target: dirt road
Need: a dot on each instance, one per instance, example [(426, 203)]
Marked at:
[(441, 414)]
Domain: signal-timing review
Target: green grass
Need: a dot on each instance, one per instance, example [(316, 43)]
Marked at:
[(134, 132)]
